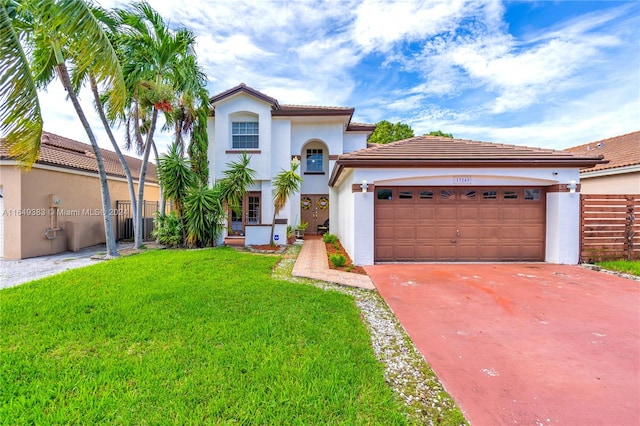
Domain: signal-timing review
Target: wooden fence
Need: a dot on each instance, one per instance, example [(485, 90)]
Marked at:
[(609, 228)]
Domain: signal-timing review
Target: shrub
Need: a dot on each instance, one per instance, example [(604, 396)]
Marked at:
[(338, 260), (329, 238), (203, 215), (168, 229)]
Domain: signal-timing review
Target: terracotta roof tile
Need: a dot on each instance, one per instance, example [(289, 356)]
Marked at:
[(63, 152), (435, 148), (353, 126), (246, 89), (621, 151), (434, 151)]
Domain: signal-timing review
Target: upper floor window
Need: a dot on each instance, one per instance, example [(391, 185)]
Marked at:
[(314, 160), (244, 135)]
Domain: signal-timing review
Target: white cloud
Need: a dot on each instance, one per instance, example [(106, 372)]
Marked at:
[(379, 24), (448, 65)]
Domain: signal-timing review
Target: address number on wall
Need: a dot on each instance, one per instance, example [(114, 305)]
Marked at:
[(461, 180)]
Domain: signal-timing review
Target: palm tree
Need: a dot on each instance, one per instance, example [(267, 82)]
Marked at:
[(157, 66), (60, 32), (238, 177), (286, 183)]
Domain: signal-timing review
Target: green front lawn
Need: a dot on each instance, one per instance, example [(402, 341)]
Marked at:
[(627, 266), (187, 337)]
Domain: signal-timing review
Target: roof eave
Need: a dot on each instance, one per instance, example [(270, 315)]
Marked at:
[(310, 112), (242, 88), (440, 163)]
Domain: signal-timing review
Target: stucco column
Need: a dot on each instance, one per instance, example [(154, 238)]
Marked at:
[(563, 228), (363, 228)]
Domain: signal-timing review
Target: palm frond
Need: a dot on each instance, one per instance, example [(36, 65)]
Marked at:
[(90, 48), (20, 115)]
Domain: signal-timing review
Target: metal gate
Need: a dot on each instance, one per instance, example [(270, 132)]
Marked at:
[(124, 219)]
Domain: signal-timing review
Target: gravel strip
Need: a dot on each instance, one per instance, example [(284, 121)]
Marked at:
[(406, 370)]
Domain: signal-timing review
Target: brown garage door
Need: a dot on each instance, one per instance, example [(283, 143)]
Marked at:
[(459, 224)]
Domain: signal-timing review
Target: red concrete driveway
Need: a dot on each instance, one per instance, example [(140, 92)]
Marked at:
[(524, 344)]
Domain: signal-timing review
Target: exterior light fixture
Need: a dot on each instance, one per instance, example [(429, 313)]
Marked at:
[(572, 186), (364, 186)]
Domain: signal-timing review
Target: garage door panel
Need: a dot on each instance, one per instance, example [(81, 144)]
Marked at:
[(447, 213), (489, 233), (425, 213), (532, 214), (425, 251), (384, 252), (425, 233), (405, 233), (466, 213), (489, 252), (497, 224), (405, 252), (530, 232), (447, 231), (509, 232), (531, 252), (468, 232), (467, 252), (511, 213), (446, 252), (405, 214), (489, 213), (384, 214), (510, 252), (384, 232)]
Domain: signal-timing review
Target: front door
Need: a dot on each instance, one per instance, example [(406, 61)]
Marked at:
[(314, 209), (248, 214)]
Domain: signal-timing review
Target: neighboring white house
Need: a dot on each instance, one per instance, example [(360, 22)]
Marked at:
[(421, 199)]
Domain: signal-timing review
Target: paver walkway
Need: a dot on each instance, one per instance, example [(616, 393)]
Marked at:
[(15, 272), (312, 263)]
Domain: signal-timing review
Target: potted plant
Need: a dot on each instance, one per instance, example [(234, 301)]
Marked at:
[(302, 226), (291, 234)]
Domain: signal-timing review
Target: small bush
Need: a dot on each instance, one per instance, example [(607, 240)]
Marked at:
[(338, 260), (329, 238), (168, 229)]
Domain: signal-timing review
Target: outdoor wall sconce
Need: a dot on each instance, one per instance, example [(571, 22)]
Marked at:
[(364, 186), (572, 186)]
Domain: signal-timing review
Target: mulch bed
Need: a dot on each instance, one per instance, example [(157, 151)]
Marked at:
[(349, 266), (267, 248)]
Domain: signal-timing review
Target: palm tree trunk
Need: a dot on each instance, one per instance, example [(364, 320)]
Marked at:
[(116, 148), (273, 228), (112, 250), (142, 177), (161, 202)]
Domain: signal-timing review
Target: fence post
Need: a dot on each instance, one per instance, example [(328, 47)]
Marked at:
[(628, 228)]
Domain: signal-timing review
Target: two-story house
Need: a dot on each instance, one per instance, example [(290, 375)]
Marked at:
[(423, 199), (246, 120)]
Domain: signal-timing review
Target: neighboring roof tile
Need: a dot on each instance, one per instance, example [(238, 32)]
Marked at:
[(67, 153), (621, 151), (434, 151)]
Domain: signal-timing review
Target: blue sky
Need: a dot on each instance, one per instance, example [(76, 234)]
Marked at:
[(551, 74)]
